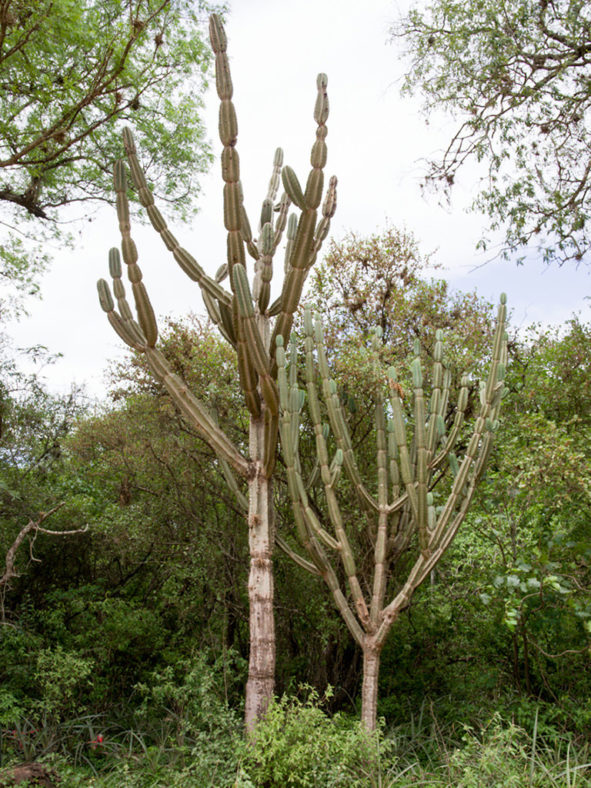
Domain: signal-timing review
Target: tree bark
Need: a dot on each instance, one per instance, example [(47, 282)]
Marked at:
[(261, 665), (369, 689)]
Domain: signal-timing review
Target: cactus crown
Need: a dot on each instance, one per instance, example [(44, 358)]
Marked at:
[(243, 312)]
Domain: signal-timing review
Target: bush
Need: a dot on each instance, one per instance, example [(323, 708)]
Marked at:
[(298, 744)]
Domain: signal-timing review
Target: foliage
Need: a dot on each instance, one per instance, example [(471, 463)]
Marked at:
[(384, 280), (153, 597), (70, 72), (516, 75), (298, 744)]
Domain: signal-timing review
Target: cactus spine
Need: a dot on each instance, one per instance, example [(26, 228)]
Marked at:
[(402, 514), (244, 318)]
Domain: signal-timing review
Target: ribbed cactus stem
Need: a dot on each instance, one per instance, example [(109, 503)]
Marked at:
[(145, 312), (435, 431), (421, 454), (255, 348), (338, 422), (305, 244), (406, 470)]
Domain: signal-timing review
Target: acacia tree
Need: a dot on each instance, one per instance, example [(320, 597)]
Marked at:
[(517, 76), (246, 319), (69, 72), (402, 515)]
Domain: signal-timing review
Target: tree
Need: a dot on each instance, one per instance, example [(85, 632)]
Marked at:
[(364, 557), (517, 75), (249, 323), (383, 281), (33, 428), (70, 72)]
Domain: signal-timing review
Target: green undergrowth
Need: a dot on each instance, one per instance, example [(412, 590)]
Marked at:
[(189, 737)]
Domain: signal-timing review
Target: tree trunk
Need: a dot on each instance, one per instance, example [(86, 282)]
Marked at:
[(261, 665), (369, 690)]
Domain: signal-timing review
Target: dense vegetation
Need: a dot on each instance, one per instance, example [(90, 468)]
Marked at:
[(125, 608), (124, 648)]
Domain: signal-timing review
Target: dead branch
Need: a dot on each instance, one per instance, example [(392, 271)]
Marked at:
[(33, 527)]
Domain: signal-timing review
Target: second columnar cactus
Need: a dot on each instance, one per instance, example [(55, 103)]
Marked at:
[(400, 511)]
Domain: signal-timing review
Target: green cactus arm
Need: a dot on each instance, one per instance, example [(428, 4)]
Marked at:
[(479, 445), (123, 323), (406, 470), (434, 433), (145, 312), (269, 237), (233, 485), (460, 480), (281, 221), (308, 200), (499, 340), (214, 310), (270, 442), (296, 557), (255, 348), (290, 421), (196, 413), (184, 259), (292, 228), (448, 535), (246, 233), (246, 371), (116, 321), (327, 476), (296, 274), (452, 437), (264, 269), (338, 422), (393, 460), (381, 538), (323, 227), (235, 217), (420, 438), (380, 577), (325, 570), (307, 524), (119, 289), (275, 179)]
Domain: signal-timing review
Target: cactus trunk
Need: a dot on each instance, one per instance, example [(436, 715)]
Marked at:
[(261, 666), (369, 688)]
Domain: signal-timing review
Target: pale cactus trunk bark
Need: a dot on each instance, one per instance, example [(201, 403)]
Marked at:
[(369, 688), (261, 664)]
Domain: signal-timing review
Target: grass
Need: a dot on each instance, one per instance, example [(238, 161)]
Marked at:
[(299, 745)]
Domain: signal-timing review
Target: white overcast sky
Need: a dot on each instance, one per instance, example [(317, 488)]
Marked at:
[(376, 142)]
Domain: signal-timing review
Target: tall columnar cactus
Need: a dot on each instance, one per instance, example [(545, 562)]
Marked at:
[(401, 509), (245, 320)]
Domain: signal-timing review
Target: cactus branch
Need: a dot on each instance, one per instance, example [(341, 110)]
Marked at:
[(185, 260)]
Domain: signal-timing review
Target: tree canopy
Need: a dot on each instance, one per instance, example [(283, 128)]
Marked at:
[(70, 71), (517, 76)]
